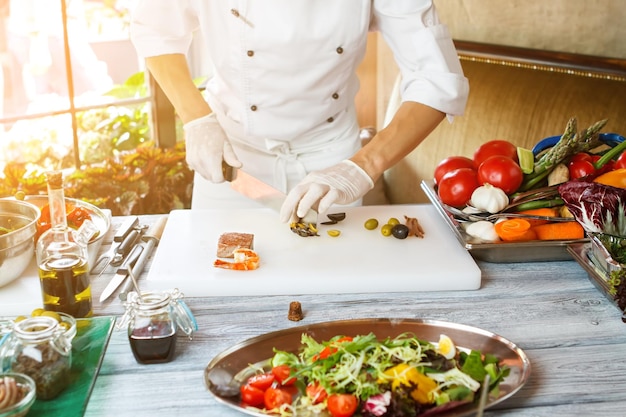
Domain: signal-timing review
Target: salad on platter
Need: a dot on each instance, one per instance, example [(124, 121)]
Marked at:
[(363, 376)]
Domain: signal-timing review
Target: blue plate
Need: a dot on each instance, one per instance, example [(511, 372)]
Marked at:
[(610, 139)]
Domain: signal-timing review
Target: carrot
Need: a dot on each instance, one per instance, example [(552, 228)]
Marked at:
[(559, 231), (515, 230), (544, 211)]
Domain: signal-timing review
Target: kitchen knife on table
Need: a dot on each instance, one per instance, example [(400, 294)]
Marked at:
[(255, 189), (104, 260), (122, 272), (150, 239)]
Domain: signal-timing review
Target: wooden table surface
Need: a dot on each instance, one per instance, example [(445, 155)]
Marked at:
[(573, 336)]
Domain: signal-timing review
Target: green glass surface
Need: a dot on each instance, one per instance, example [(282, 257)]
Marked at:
[(88, 348)]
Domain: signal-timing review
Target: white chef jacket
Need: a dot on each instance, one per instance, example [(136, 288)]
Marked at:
[(284, 79)]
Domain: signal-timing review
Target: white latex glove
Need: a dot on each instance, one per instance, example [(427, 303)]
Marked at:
[(343, 183), (206, 145)]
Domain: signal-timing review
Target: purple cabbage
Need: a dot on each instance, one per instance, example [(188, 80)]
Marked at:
[(597, 207)]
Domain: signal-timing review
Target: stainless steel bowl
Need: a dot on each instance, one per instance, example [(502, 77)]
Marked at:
[(17, 247)]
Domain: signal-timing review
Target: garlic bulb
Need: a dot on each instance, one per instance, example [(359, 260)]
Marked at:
[(482, 230), (489, 198)]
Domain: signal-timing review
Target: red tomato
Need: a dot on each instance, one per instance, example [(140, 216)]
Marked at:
[(342, 405), (620, 162), (316, 392), (494, 147), (450, 164), (252, 395), (282, 372), (502, 172), (262, 381), (275, 397), (456, 187), (581, 156), (578, 169)]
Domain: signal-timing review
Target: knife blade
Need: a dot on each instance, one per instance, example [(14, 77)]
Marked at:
[(122, 272), (255, 189), (151, 239)]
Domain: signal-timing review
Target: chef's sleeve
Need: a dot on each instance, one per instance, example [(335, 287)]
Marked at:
[(424, 52), (160, 27)]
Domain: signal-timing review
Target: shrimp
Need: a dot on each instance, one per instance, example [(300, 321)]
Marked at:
[(244, 260)]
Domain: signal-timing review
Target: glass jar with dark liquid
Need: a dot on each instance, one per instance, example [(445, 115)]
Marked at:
[(62, 258), (153, 320)]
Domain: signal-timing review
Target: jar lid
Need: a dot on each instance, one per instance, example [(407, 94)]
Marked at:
[(184, 317)]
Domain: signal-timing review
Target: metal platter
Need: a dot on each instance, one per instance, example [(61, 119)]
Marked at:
[(502, 251), (227, 371), (583, 254)]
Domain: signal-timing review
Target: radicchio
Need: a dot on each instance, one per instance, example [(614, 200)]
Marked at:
[(597, 207)]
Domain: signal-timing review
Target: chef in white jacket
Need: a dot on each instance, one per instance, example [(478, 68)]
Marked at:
[(280, 101)]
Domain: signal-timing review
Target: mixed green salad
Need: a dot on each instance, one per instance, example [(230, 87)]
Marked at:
[(363, 376)]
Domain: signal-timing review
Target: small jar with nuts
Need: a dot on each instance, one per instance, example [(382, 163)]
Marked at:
[(42, 349)]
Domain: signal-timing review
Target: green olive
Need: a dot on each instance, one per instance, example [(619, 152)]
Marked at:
[(393, 221), (386, 229), (371, 224)]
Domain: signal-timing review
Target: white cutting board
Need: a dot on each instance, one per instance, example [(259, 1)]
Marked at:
[(358, 261)]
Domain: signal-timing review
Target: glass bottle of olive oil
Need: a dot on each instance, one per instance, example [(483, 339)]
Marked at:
[(62, 259)]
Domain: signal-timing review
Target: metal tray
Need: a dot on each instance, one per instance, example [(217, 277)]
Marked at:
[(501, 251), (228, 370), (583, 253)]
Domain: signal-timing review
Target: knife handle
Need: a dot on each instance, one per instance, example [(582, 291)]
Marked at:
[(156, 230), (128, 242), (130, 260), (128, 225)]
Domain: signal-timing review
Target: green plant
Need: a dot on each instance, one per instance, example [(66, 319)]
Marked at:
[(145, 180)]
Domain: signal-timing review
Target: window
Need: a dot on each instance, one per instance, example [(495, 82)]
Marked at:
[(73, 89)]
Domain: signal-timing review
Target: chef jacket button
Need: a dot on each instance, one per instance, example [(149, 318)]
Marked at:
[(253, 107), (250, 53), (339, 50), (335, 96), (330, 120)]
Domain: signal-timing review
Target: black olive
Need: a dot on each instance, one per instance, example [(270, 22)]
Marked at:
[(400, 231), (336, 217)]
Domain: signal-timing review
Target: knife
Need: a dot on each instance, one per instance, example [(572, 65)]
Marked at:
[(122, 272), (127, 245), (151, 238), (121, 233), (255, 189)]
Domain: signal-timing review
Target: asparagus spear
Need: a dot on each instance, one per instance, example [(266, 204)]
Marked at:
[(571, 142)]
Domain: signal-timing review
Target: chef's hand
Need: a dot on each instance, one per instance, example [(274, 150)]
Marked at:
[(206, 145), (343, 183)]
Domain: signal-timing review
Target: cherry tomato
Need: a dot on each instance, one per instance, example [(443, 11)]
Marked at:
[(282, 372), (579, 169), (620, 162), (342, 405), (581, 156), (502, 172), (252, 395), (457, 186), (262, 381), (316, 392), (450, 164), (275, 397), (494, 147)]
